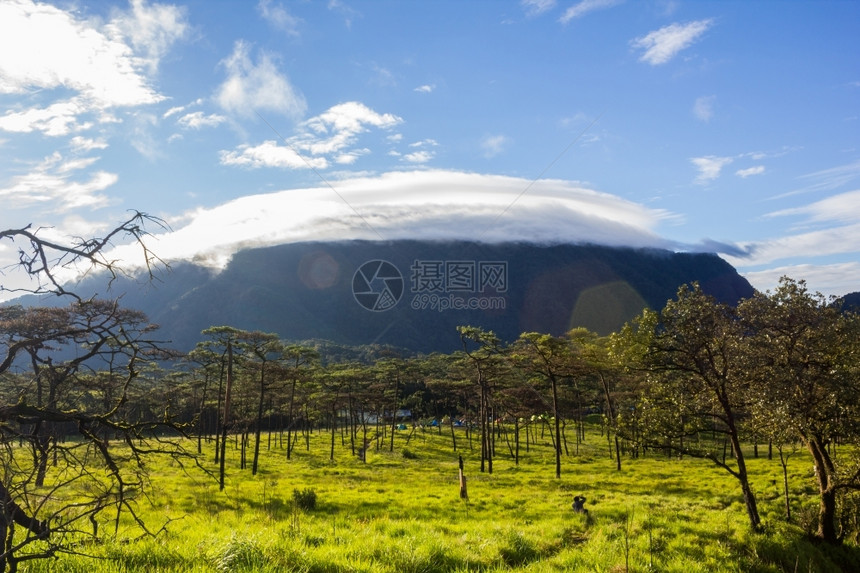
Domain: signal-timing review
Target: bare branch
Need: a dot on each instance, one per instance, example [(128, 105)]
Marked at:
[(40, 258)]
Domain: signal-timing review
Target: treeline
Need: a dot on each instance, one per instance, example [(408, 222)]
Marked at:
[(698, 378)]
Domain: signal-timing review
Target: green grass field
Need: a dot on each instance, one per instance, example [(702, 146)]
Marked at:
[(403, 513)]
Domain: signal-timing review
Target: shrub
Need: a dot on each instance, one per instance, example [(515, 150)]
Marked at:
[(305, 499), (240, 554), (409, 454), (519, 550)]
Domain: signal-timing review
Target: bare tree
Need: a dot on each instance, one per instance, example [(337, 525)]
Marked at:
[(41, 259), (100, 475)]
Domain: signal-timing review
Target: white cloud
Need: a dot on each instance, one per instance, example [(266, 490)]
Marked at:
[(536, 7), (339, 127), (426, 88), (151, 28), (709, 167), (346, 12), (197, 120), (839, 236), (75, 164), (333, 133), (270, 154), (50, 184), (423, 152), (74, 71), (820, 243), (427, 204), (844, 207), (494, 145), (79, 143), (584, 7), (703, 108), (423, 156), (257, 87), (180, 108), (43, 47), (351, 156), (833, 178), (173, 111), (279, 17), (382, 76), (57, 119), (748, 172), (830, 279), (664, 44), (142, 135), (351, 117)]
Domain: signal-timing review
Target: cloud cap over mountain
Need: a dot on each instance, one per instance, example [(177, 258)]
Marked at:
[(423, 205)]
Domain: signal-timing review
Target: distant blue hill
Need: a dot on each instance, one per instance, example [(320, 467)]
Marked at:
[(413, 294), (849, 302)]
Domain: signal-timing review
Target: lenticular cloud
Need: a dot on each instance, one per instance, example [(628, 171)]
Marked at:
[(419, 205)]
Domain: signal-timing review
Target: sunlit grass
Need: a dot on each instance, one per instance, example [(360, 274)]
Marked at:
[(404, 514)]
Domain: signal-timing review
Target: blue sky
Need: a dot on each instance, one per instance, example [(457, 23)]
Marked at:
[(723, 126)]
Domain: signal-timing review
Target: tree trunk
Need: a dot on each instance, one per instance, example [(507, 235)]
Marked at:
[(290, 419), (218, 411), (225, 422), (482, 415), (827, 505), (784, 463), (200, 414), (827, 517), (749, 497), (259, 424), (394, 412), (517, 441), (10, 514), (557, 427), (489, 434), (333, 432), (42, 444)]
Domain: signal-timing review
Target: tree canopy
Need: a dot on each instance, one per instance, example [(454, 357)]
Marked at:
[(695, 378)]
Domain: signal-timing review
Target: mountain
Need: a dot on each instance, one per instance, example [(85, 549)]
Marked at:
[(849, 302), (412, 294)]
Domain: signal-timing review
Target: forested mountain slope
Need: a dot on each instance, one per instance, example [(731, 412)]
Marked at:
[(420, 291)]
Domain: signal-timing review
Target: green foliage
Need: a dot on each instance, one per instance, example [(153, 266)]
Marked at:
[(394, 515), (697, 379), (239, 554), (305, 499), (518, 550)]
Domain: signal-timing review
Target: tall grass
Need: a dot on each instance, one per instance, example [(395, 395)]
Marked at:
[(403, 513)]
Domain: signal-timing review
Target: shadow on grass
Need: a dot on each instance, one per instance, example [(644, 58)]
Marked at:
[(802, 553)]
